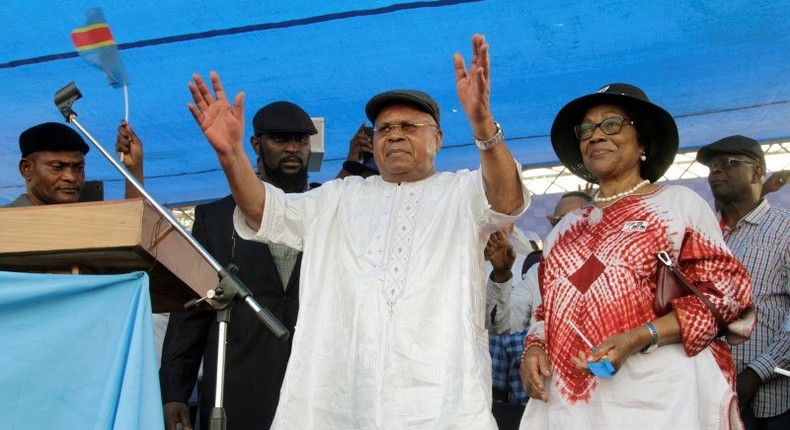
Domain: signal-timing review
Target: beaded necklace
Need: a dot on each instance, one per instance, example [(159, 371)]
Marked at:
[(618, 196)]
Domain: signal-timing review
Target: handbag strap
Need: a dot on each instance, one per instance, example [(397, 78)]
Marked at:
[(664, 258)]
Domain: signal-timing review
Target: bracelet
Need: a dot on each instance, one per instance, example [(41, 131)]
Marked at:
[(498, 138), (532, 344), (653, 339)]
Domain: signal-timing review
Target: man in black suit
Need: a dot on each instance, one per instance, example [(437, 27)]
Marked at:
[(256, 361)]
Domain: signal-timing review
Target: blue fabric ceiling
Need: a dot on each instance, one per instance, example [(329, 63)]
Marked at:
[(720, 67)]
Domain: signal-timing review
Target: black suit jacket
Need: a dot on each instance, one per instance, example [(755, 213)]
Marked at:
[(255, 360)]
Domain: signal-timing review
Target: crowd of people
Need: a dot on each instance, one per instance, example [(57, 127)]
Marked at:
[(404, 286)]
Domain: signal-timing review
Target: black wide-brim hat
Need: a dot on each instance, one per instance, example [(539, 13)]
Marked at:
[(656, 128)]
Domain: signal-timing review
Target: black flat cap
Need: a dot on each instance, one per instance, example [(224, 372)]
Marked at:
[(51, 136), (418, 99), (732, 145), (282, 117)]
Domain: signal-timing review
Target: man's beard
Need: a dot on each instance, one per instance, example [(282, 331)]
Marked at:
[(290, 183)]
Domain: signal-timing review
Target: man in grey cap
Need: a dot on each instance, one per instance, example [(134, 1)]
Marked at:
[(759, 236), (391, 330), (53, 165), (256, 360)]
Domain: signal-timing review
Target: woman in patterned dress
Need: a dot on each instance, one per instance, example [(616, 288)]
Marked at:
[(598, 281)]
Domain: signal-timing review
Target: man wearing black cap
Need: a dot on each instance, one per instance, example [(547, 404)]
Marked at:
[(391, 330), (759, 236), (53, 165), (285, 129), (255, 359)]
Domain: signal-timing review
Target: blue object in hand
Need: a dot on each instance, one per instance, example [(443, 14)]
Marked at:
[(602, 368)]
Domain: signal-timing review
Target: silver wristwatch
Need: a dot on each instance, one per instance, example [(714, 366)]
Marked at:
[(653, 339), (485, 145)]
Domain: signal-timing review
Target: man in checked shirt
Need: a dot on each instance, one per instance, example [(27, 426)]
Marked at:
[(759, 236)]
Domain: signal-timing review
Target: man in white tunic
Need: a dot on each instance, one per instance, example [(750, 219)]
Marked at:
[(391, 331)]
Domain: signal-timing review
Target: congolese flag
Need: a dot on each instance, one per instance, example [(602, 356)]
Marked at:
[(95, 43)]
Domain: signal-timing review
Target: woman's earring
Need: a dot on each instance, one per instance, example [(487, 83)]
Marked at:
[(643, 157)]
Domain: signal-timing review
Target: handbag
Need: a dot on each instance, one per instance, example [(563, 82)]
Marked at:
[(671, 283)]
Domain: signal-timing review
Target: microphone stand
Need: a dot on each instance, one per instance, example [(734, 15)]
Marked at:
[(229, 288)]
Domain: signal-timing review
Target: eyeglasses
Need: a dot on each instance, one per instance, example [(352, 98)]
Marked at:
[(608, 126), (280, 138), (405, 127), (726, 163)]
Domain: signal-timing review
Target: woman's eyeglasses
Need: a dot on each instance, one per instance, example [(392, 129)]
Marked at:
[(608, 126)]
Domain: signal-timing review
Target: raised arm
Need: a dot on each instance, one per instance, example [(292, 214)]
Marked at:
[(775, 182), (131, 149), (223, 126), (503, 184), (500, 253), (360, 143)]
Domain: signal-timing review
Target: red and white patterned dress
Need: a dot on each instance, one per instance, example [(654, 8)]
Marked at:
[(599, 272)]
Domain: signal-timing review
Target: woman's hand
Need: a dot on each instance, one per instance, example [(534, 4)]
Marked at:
[(534, 370), (617, 348)]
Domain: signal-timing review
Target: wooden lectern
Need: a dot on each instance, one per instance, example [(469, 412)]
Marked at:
[(106, 238)]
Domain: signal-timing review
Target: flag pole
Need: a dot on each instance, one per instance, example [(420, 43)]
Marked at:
[(125, 112), (126, 103)]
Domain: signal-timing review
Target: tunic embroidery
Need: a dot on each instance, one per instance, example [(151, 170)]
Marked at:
[(391, 245)]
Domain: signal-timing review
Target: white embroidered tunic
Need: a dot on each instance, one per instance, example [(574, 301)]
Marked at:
[(391, 331)]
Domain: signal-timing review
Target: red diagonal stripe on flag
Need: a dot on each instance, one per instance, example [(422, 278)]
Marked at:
[(87, 37)]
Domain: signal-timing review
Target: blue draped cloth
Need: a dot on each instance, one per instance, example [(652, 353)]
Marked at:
[(77, 352)]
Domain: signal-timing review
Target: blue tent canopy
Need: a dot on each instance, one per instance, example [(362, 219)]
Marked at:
[(720, 67)]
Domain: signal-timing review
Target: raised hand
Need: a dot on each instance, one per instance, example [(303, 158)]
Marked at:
[(501, 254), (474, 85), (128, 144), (221, 122), (130, 147), (776, 181), (360, 143)]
